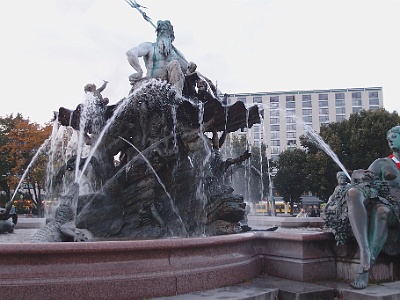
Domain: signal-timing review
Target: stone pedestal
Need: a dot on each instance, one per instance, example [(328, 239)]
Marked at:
[(386, 268)]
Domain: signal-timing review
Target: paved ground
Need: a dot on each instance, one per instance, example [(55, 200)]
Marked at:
[(18, 236)]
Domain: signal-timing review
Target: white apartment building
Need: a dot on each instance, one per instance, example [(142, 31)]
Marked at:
[(284, 113)]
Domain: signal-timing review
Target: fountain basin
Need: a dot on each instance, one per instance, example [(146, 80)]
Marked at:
[(154, 268)]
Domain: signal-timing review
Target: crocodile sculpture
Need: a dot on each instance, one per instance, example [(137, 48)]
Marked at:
[(62, 228)]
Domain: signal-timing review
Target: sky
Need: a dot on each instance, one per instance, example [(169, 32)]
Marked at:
[(50, 49)]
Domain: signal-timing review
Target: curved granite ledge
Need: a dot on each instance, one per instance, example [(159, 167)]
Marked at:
[(154, 268)]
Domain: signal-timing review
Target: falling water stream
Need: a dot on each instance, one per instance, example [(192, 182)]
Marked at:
[(38, 152), (159, 181)]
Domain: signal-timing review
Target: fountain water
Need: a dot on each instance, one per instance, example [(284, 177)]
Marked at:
[(130, 202), (39, 151), (318, 141)]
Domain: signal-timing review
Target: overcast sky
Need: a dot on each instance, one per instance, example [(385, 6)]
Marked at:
[(50, 49)]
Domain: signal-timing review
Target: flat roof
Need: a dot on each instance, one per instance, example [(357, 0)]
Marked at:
[(374, 88)]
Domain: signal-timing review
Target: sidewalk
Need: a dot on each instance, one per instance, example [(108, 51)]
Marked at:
[(268, 287)]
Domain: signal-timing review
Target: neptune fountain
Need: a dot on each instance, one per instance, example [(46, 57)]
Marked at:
[(150, 167), (169, 176)]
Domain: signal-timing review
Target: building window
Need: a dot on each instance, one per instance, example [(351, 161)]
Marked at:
[(306, 97), (339, 96), (275, 150), (324, 119), (274, 113), (257, 99), (322, 96), (290, 105), (356, 102), (276, 143), (340, 110), (256, 128), (307, 119), (374, 107), (274, 135), (356, 95), (373, 95), (356, 109), (323, 103), (374, 101), (307, 111), (291, 127), (307, 103), (274, 99), (324, 111), (274, 102), (290, 102), (289, 98), (274, 120), (256, 135), (290, 112), (340, 118), (291, 142), (275, 127), (291, 135), (339, 102), (290, 120), (274, 105)]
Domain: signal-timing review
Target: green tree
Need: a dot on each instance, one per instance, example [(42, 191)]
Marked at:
[(291, 179)]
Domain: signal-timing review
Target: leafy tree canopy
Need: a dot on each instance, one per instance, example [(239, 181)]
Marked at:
[(20, 140)]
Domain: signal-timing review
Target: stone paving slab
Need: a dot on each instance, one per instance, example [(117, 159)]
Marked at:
[(268, 287), (381, 291), (290, 289), (248, 292)]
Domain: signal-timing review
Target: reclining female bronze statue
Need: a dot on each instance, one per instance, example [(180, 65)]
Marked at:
[(373, 208)]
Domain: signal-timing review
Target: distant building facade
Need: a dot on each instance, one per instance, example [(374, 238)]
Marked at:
[(285, 112)]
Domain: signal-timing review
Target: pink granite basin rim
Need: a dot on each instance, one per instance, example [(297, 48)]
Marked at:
[(143, 269)]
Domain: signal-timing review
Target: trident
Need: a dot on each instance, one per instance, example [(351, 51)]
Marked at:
[(134, 4)]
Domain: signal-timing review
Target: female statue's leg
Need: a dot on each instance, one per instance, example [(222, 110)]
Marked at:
[(378, 231), (358, 218)]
